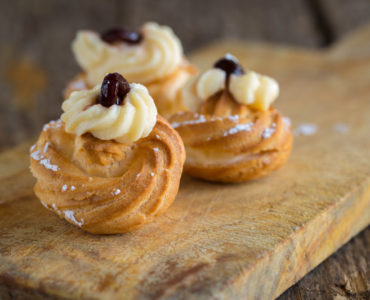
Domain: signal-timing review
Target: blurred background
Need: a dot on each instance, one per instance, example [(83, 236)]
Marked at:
[(35, 36)]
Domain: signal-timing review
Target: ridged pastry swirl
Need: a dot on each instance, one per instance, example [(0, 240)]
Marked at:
[(230, 142), (157, 56), (104, 186)]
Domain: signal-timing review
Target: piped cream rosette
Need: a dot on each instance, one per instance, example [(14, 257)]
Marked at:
[(253, 89), (132, 120), (156, 61), (156, 56)]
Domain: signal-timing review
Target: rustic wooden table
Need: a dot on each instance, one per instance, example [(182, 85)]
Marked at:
[(36, 62)]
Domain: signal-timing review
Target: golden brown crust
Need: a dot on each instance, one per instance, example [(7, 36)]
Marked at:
[(107, 187), (165, 92), (229, 142)]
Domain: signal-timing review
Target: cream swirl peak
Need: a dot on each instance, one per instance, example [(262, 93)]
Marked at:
[(156, 54), (114, 110), (250, 88)]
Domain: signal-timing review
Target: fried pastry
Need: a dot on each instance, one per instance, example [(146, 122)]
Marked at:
[(111, 164), (231, 131), (153, 57)]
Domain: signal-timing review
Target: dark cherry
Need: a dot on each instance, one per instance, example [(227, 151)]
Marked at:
[(121, 35), (113, 90), (230, 65)]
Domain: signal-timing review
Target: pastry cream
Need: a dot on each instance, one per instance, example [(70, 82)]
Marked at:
[(157, 55), (253, 89), (257, 90), (132, 120), (210, 82)]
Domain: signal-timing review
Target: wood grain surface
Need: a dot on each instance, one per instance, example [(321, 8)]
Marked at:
[(250, 240), (344, 275)]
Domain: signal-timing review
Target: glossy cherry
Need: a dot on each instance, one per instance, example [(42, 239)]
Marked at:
[(121, 35), (113, 90), (230, 65)]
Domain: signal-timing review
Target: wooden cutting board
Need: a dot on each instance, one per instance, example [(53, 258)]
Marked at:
[(249, 241)]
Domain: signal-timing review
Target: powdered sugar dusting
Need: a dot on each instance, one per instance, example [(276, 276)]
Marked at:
[(233, 118), (116, 192), (201, 119), (52, 124), (239, 128), (268, 132), (44, 161), (306, 129), (36, 155), (53, 207), (155, 149), (56, 209), (70, 215), (44, 205), (341, 128), (46, 127), (65, 188), (46, 146), (32, 148)]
